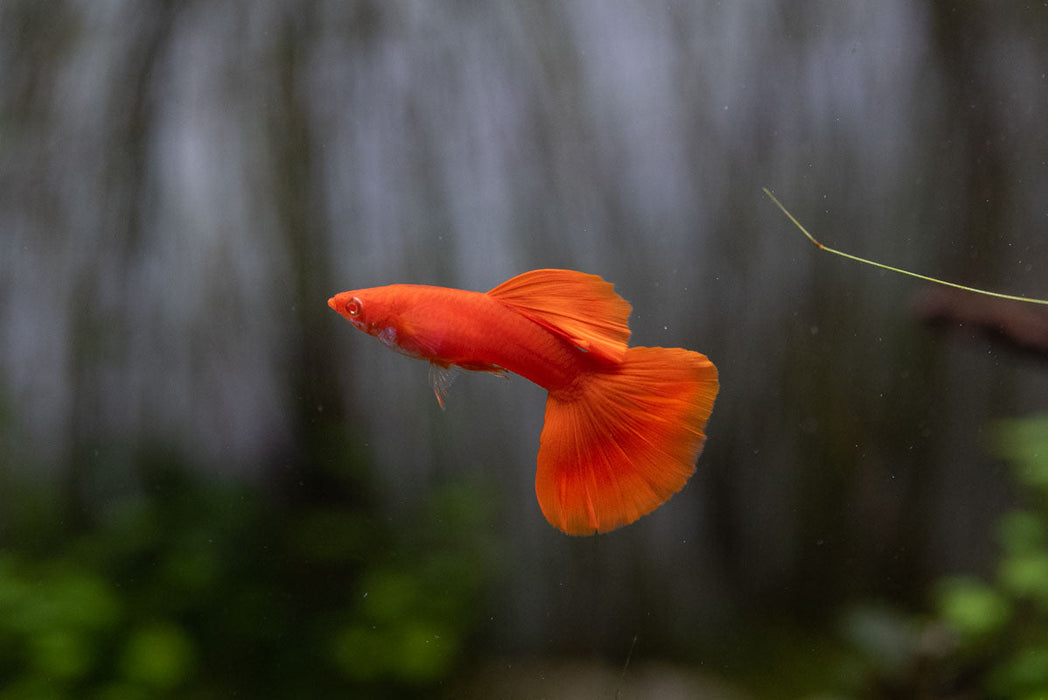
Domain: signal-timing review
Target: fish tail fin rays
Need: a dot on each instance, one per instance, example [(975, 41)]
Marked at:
[(620, 442)]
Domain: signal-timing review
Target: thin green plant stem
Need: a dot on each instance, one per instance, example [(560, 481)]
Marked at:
[(820, 246)]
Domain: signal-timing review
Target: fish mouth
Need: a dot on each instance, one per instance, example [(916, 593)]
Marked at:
[(333, 303)]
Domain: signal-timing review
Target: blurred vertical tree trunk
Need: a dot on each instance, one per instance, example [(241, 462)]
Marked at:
[(98, 329), (312, 379)]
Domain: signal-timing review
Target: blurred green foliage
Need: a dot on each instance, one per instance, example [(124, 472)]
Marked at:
[(196, 589), (984, 638), (1002, 624)]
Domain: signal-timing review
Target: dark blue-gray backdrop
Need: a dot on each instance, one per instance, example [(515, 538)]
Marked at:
[(182, 186)]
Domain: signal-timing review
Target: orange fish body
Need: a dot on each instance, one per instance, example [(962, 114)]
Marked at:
[(623, 426)]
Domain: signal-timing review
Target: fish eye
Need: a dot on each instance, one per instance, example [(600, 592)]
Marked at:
[(354, 307)]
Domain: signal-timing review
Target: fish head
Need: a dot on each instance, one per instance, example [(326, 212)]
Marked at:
[(360, 308), (375, 311)]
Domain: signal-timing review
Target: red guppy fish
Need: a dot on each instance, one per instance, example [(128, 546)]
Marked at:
[(623, 426)]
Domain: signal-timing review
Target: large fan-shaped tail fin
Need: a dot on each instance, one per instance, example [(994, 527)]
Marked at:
[(622, 440)]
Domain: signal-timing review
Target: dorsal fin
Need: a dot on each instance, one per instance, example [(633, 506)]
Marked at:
[(582, 308)]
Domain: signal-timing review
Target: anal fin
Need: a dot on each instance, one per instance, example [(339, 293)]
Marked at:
[(442, 376)]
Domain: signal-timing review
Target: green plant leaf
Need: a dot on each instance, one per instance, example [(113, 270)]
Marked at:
[(972, 608)]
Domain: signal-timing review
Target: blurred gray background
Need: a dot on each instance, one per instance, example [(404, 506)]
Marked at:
[(184, 184)]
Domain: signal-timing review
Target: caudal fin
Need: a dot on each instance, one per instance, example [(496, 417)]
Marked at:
[(623, 440)]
